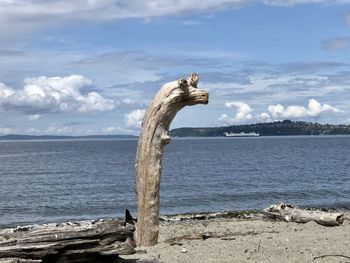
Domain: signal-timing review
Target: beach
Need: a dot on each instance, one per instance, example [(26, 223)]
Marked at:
[(251, 239)]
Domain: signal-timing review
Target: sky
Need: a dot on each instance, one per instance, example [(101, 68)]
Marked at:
[(92, 66)]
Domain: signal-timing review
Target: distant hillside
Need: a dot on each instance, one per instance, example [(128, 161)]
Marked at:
[(285, 127), (54, 137)]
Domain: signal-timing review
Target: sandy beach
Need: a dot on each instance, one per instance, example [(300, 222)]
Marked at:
[(247, 240)]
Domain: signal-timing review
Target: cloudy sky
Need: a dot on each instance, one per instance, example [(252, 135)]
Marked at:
[(92, 66)]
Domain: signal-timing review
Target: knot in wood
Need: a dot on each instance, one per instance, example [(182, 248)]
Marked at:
[(193, 80), (183, 83)]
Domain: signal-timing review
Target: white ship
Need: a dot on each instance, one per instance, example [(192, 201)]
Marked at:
[(242, 134)]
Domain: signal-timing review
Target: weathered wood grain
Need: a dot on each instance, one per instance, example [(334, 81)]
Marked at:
[(84, 241), (291, 213), (172, 97)]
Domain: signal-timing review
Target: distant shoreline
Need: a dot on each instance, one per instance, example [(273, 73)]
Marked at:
[(19, 137), (278, 128), (102, 138)]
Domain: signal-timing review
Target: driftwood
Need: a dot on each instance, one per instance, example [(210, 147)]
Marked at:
[(172, 97), (291, 213), (85, 241), (337, 256)]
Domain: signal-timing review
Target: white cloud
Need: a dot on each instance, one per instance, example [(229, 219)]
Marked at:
[(128, 101), (53, 94), (104, 10), (337, 43), (316, 108), (134, 119), (33, 131), (264, 117), (295, 111), (24, 15), (57, 129), (28, 15), (299, 2), (95, 102), (276, 112), (6, 131), (109, 129), (278, 84), (34, 117), (243, 113)]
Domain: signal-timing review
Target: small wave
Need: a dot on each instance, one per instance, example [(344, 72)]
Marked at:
[(242, 214), (247, 214), (27, 154)]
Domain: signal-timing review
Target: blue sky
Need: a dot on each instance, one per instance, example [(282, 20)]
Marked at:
[(91, 67)]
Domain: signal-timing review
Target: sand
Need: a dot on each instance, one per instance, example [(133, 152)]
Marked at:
[(247, 240)]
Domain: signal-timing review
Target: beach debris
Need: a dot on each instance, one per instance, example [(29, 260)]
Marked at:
[(259, 245), (171, 98), (292, 213), (206, 236), (228, 238), (183, 250), (324, 256), (223, 236), (145, 261), (84, 241), (140, 251), (175, 243), (244, 214)]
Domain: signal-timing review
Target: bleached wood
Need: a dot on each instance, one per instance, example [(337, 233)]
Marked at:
[(84, 241), (291, 213), (172, 97)]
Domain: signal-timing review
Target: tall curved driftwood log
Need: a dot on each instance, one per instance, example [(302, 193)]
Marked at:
[(172, 97)]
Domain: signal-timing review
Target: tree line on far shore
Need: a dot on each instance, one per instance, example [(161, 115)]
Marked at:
[(278, 128)]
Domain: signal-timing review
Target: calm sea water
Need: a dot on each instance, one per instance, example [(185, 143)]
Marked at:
[(50, 181)]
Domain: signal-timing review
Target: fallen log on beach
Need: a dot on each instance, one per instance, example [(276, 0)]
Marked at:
[(84, 241), (291, 213)]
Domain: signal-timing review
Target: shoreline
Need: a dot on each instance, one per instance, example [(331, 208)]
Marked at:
[(175, 217), (231, 236)]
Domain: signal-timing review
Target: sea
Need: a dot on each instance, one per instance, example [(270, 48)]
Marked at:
[(64, 180)]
